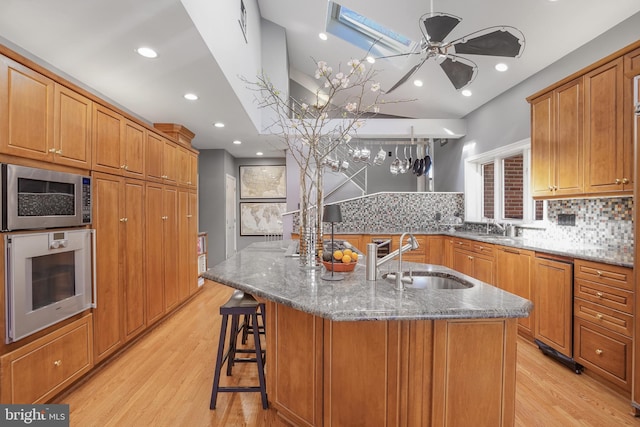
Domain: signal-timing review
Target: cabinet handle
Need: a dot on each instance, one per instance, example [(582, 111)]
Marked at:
[(123, 166), (599, 316), (189, 216), (618, 181), (52, 150), (599, 352), (59, 152), (550, 188), (470, 257), (165, 217), (124, 219), (625, 181), (460, 243), (599, 294), (57, 362), (188, 182), (511, 251)]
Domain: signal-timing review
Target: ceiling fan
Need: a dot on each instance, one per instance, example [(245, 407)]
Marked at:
[(502, 40)]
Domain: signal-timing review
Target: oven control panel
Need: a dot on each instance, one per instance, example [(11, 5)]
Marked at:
[(58, 240)]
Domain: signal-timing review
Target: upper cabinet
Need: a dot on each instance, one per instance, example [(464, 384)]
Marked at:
[(42, 120), (603, 130), (162, 157), (557, 141), (582, 131)]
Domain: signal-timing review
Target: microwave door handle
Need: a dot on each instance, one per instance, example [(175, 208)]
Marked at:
[(94, 304)]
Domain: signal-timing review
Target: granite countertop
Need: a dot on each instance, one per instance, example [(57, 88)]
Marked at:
[(263, 270), (623, 256)]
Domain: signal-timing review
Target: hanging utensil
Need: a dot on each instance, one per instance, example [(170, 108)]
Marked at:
[(427, 161), (403, 163), (379, 159), (395, 165)]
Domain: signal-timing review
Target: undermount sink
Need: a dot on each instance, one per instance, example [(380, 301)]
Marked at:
[(429, 280)]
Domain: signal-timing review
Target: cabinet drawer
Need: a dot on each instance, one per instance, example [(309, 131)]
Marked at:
[(39, 370), (615, 298), (483, 248), (607, 318), (607, 354), (462, 244), (612, 275)]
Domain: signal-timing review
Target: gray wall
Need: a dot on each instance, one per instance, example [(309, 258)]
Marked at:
[(506, 118)]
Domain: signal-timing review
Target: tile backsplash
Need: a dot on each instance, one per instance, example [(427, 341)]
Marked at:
[(602, 222)]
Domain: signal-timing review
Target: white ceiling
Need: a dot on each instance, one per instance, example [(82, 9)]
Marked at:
[(92, 41)]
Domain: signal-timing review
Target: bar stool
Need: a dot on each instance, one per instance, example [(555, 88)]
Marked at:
[(240, 304)]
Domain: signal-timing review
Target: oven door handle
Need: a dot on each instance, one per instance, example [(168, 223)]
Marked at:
[(94, 298)]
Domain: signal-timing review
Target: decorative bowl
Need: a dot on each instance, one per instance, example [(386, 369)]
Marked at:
[(339, 266)]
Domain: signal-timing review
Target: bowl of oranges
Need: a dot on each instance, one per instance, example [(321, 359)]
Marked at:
[(343, 260)]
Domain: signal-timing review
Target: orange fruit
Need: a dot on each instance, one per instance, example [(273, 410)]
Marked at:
[(347, 252), (338, 254), (354, 256), (346, 259)]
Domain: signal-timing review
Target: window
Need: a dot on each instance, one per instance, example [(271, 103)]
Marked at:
[(365, 33), (497, 186)]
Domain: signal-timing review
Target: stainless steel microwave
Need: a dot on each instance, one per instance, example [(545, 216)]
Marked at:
[(35, 198)]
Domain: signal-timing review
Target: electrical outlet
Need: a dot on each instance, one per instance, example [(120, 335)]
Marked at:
[(567, 219)]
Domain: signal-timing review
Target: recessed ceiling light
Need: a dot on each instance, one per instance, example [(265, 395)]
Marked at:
[(418, 83), (147, 52), (371, 59), (237, 142), (190, 96), (322, 36), (502, 66), (219, 124), (259, 153), (466, 92)]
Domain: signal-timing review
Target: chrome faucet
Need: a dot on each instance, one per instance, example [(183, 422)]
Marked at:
[(373, 264)]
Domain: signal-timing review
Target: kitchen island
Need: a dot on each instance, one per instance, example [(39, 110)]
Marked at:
[(357, 352)]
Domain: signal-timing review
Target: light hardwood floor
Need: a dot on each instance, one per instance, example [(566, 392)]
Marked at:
[(165, 379)]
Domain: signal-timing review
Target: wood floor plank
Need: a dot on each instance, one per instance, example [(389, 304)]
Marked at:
[(165, 379)]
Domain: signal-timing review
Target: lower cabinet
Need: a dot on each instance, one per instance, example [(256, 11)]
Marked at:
[(514, 274), (392, 373), (553, 302), (475, 259), (41, 369), (435, 250)]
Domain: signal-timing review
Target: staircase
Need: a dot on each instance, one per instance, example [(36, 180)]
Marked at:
[(347, 184)]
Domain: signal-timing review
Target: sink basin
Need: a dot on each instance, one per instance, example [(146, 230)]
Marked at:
[(429, 280)]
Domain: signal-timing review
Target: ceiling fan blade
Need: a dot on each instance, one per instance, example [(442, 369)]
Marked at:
[(498, 42), (460, 71), (438, 25), (399, 54), (407, 76)]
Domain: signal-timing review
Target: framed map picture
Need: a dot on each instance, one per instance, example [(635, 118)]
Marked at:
[(263, 182), (258, 219)]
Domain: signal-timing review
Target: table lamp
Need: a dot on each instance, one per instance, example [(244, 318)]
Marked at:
[(332, 214)]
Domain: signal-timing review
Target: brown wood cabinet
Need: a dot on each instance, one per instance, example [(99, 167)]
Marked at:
[(475, 259), (604, 320), (187, 168), (514, 271), (71, 128), (187, 247), (603, 130), (39, 370), (553, 302), (161, 159), (417, 255), (409, 373), (557, 141), (161, 250), (435, 250)]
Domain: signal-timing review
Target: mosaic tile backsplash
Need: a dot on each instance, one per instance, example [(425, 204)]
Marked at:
[(602, 222), (606, 222)]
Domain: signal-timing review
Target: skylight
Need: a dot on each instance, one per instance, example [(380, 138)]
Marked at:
[(365, 33)]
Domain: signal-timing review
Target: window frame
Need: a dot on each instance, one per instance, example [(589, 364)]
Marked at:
[(474, 184)]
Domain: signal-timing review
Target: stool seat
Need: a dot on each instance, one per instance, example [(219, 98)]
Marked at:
[(240, 304)]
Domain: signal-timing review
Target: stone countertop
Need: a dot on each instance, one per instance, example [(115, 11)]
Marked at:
[(623, 256), (262, 270)]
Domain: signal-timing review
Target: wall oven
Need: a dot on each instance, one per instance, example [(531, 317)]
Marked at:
[(47, 279), (35, 198)]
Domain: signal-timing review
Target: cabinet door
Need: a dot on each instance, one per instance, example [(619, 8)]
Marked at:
[(72, 128), (193, 170), (26, 111), (108, 211), (107, 140), (542, 146), (631, 68), (186, 242), (435, 250), (169, 162), (484, 269), (154, 153), (463, 262), (448, 246), (193, 233), (183, 166), (133, 258), (154, 267), (133, 150), (170, 252), (569, 160), (603, 130), (513, 274), (553, 301)]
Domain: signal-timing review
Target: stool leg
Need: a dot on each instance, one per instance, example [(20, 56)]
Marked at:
[(232, 343), (256, 337), (216, 377), (245, 329)]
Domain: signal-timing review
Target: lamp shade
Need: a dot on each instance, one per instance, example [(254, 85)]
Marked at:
[(332, 213)]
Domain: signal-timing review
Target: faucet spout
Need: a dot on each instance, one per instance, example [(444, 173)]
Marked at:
[(372, 273)]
